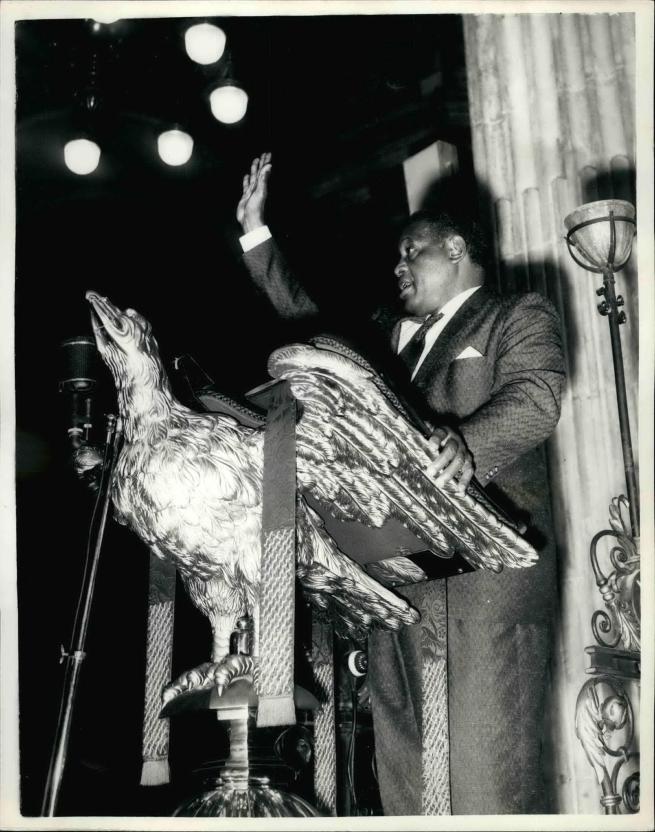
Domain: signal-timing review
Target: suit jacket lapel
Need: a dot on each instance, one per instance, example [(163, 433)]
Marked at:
[(450, 341), (395, 336)]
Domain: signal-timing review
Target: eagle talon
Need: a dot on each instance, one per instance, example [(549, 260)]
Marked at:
[(232, 668), (212, 674)]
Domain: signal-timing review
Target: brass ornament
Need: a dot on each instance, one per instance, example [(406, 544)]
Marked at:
[(190, 486)]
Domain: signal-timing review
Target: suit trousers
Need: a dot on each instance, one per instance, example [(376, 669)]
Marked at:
[(497, 673)]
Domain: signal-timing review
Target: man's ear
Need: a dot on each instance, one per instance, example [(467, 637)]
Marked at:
[(456, 248)]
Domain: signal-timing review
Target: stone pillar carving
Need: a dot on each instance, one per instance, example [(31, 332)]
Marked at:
[(551, 99)]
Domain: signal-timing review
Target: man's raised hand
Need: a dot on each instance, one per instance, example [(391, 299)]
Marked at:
[(250, 210)]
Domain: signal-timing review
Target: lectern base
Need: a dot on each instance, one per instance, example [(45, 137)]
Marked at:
[(239, 791), (250, 797)]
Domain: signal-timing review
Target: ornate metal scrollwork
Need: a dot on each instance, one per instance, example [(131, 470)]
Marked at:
[(621, 587), (604, 724), (604, 716), (631, 792)]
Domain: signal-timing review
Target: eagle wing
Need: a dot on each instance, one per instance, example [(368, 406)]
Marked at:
[(359, 457)]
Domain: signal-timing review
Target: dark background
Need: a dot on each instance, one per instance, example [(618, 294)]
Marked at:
[(340, 102)]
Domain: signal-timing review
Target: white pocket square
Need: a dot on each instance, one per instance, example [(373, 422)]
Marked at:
[(469, 352)]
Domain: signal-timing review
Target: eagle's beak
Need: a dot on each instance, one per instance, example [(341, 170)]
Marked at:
[(106, 319)]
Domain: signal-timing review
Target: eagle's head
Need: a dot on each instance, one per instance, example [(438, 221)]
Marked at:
[(126, 344)]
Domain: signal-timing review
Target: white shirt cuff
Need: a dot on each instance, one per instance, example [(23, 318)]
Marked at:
[(255, 237)]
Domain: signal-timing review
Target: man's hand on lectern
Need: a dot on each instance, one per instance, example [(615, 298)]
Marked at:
[(250, 210), (452, 461)]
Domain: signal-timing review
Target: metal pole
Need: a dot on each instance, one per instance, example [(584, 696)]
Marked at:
[(77, 655), (614, 318)]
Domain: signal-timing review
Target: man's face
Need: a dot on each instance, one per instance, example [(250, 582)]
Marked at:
[(426, 275)]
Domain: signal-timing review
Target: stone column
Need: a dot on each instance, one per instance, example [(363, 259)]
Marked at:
[(552, 116)]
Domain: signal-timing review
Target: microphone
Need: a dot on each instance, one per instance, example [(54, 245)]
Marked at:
[(80, 366), (80, 360)]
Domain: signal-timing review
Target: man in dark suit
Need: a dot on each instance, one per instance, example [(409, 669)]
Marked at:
[(490, 370)]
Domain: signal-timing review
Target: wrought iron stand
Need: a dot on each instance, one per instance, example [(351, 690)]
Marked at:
[(605, 719)]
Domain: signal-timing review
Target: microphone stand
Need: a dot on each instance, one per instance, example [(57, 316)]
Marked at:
[(76, 656)]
